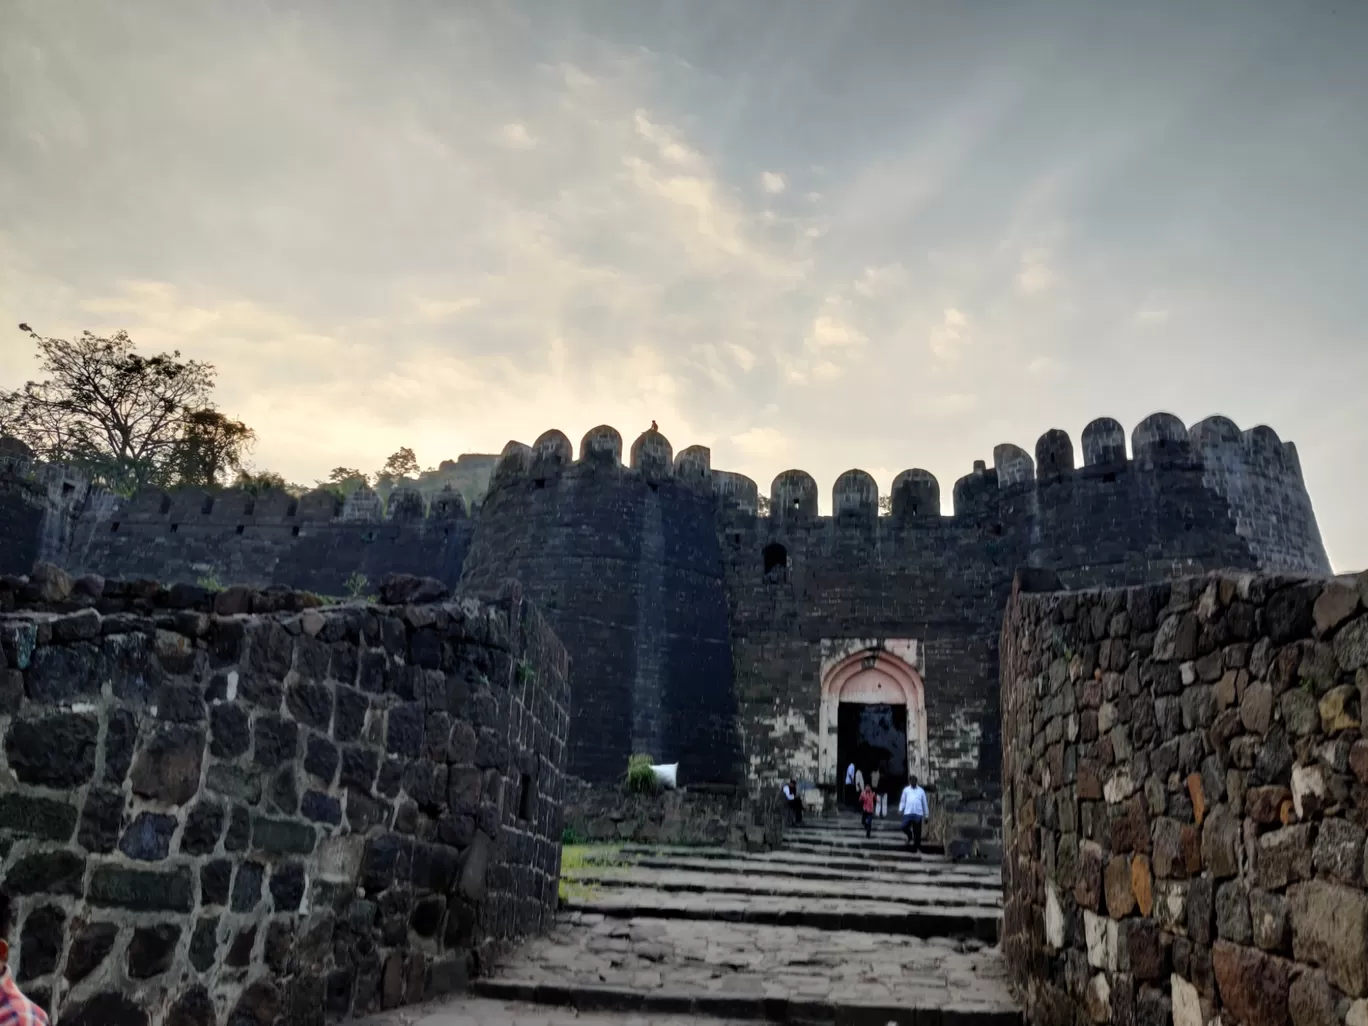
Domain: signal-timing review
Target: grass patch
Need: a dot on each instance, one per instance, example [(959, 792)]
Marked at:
[(599, 857), (641, 779)]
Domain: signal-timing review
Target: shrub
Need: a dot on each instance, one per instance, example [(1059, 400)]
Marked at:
[(641, 779)]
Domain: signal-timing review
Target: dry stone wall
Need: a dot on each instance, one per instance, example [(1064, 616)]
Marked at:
[(1186, 799), (242, 808)]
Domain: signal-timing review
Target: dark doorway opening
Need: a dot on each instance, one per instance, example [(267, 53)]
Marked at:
[(873, 737)]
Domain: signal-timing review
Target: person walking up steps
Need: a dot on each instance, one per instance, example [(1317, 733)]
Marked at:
[(867, 801), (914, 809)]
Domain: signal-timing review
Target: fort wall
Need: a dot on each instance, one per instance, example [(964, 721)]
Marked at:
[(1185, 800), (209, 814), (624, 561)]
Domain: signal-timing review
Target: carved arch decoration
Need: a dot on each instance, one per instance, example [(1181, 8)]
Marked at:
[(872, 672)]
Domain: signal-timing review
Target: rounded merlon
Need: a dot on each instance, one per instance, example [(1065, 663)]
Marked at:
[(514, 462), (448, 504), (363, 506), (916, 493), (1160, 440), (318, 504), (652, 455), (1013, 465), (693, 466), (1104, 443), (1054, 455), (855, 494), (405, 504), (737, 489), (793, 496), (551, 451), (602, 444)]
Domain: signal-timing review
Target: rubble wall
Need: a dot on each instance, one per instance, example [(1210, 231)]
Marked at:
[(1185, 776), (243, 807)]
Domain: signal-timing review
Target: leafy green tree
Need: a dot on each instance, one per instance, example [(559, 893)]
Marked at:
[(126, 418)]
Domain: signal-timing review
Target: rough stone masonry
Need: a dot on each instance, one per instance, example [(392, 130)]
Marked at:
[(240, 807), (1185, 801)]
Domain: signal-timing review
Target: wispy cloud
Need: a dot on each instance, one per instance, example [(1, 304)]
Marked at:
[(773, 182)]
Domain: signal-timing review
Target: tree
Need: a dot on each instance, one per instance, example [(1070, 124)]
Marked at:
[(257, 482), (126, 418), (345, 480), (762, 505), (211, 444), (400, 464), (885, 505)]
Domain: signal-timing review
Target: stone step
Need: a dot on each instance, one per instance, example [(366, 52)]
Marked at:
[(893, 876), (900, 892), (981, 922), (465, 1010), (880, 841), (755, 972), (930, 865), (797, 1011)]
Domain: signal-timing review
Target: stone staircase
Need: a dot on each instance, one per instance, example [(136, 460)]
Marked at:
[(832, 928)]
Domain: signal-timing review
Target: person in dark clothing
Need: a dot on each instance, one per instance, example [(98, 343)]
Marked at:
[(795, 803)]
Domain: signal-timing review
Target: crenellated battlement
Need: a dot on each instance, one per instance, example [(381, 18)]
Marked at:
[(1158, 444)]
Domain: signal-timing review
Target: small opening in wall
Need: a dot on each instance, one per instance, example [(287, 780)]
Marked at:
[(294, 531), (996, 530), (797, 504), (368, 536), (165, 506), (1109, 478), (526, 797), (68, 487), (241, 528), (175, 528), (736, 538), (208, 506), (912, 508), (250, 508), (654, 487), (775, 556), (292, 509), (539, 482), (114, 527)]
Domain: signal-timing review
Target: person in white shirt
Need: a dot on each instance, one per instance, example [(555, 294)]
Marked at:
[(794, 802), (850, 793), (914, 809)]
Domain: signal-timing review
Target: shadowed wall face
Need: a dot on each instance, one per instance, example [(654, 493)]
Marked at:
[(319, 810), (628, 572)]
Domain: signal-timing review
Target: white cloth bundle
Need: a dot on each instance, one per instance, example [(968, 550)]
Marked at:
[(666, 775)]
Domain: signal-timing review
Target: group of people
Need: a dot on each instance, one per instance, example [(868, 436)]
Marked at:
[(913, 806)]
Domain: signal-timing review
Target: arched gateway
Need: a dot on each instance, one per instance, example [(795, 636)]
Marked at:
[(873, 711)]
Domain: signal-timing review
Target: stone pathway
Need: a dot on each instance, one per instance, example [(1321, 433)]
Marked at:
[(834, 929)]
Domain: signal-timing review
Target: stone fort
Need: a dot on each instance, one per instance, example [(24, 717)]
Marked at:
[(746, 647)]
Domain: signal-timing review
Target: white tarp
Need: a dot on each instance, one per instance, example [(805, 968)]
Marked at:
[(666, 775)]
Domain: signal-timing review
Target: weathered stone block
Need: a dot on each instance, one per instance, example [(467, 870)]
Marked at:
[(283, 837), (1220, 840), (167, 769), (1330, 929), (1338, 853), (203, 827), (89, 948), (230, 730), (215, 877), (1252, 984), (1264, 805), (141, 890), (1283, 857), (53, 751), (152, 949), (247, 886), (47, 872), (148, 838), (277, 741), (1311, 1002), (1232, 913), (109, 1008)]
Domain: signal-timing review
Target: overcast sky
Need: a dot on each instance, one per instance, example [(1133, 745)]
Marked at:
[(818, 234)]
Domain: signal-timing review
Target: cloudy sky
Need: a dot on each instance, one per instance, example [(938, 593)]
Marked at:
[(808, 234)]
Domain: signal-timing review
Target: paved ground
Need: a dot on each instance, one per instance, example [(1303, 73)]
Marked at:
[(834, 929)]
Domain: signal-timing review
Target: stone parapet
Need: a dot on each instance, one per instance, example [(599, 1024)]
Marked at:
[(718, 815), (272, 817), (1185, 800)]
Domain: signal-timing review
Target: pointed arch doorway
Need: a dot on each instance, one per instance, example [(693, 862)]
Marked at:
[(873, 712)]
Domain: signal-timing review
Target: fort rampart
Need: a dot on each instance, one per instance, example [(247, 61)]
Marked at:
[(241, 806), (701, 632), (1185, 800)]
